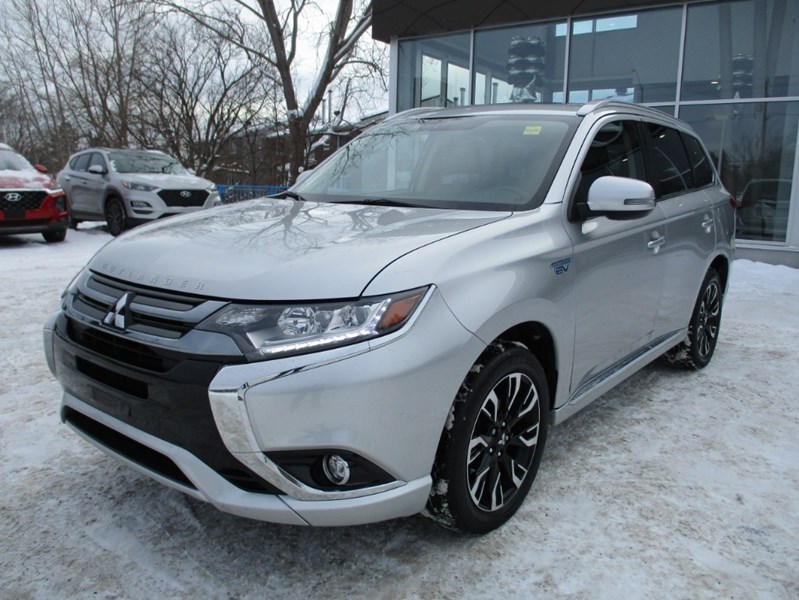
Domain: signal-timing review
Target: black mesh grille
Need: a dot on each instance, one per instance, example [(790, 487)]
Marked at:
[(183, 198), (21, 200)]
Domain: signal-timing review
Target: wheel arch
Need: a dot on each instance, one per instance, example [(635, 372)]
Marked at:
[(539, 341), (721, 265)]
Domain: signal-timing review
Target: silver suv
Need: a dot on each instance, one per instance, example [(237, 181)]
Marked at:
[(127, 187), (399, 331)]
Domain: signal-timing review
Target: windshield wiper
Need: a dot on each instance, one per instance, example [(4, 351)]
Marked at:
[(290, 194), (379, 202)]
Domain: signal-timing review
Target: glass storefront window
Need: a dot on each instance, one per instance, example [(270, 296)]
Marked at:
[(747, 49), (434, 72), (519, 64), (753, 145), (632, 57)]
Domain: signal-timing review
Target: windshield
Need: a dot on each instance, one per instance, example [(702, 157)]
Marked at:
[(11, 161), (145, 162), (483, 162)]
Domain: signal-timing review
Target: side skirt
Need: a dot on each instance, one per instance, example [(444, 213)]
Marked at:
[(615, 374)]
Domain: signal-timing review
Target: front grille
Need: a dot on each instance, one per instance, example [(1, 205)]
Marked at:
[(149, 311), (183, 198), (119, 348), (161, 389), (28, 200)]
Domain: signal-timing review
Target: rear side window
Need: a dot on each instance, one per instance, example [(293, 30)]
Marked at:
[(671, 169), (700, 163), (80, 162)]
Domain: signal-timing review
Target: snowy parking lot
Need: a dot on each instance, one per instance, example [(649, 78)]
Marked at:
[(674, 485)]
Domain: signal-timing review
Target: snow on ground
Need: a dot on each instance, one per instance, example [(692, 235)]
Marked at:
[(674, 485)]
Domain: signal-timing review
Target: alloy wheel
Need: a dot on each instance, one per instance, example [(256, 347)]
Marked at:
[(503, 442)]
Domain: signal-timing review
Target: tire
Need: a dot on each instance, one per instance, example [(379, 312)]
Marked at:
[(703, 330), (491, 448), (55, 236), (115, 217)]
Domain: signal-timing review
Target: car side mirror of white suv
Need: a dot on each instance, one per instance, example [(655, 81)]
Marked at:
[(620, 197), (97, 170)]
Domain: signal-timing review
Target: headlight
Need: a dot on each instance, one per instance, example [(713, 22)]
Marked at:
[(273, 330), (211, 189), (138, 187)]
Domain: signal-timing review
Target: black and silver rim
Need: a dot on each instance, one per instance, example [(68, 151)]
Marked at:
[(503, 442), (708, 319)]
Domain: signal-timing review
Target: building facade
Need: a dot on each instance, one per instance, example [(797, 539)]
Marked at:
[(730, 69)]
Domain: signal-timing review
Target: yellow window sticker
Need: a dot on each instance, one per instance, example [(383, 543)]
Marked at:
[(532, 130)]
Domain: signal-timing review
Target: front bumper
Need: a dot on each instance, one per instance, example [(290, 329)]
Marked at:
[(144, 207), (47, 218), (387, 402)]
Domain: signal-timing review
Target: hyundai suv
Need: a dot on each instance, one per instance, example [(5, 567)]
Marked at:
[(129, 187), (30, 201), (398, 331)]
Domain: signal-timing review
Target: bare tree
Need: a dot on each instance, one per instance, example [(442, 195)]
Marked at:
[(272, 32), (200, 92)]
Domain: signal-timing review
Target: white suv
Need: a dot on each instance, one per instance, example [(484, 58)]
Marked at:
[(128, 187)]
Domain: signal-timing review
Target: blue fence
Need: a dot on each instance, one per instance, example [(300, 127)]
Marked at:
[(236, 193)]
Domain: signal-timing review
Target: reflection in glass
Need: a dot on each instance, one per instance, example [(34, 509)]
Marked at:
[(496, 162), (746, 49), (518, 64), (753, 146), (434, 72), (629, 57)]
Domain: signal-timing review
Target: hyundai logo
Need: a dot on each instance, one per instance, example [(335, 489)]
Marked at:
[(13, 197), (185, 194)]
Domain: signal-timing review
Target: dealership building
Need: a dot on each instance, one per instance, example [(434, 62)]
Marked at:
[(730, 69)]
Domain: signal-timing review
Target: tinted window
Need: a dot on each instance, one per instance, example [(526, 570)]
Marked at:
[(615, 150), (671, 171), (80, 162), (519, 64), (630, 56), (700, 163)]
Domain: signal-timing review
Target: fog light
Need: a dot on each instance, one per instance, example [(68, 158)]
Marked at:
[(337, 469), (139, 204)]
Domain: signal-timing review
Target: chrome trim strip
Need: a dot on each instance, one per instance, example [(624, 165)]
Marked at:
[(230, 414)]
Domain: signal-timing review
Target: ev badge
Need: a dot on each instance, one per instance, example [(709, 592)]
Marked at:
[(561, 267), (13, 197), (119, 316)]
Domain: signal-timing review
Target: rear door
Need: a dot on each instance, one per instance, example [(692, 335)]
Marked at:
[(682, 177), (618, 267)]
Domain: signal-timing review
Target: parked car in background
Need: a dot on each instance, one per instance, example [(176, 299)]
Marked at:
[(30, 200), (129, 187), (398, 332)]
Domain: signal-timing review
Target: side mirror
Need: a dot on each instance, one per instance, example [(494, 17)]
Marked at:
[(620, 197), (41, 168), (97, 170)]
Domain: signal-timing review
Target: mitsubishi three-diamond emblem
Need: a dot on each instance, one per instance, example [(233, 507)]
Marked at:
[(119, 316)]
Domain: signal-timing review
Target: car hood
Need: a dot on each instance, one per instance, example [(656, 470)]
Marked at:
[(25, 180), (277, 250), (168, 182)]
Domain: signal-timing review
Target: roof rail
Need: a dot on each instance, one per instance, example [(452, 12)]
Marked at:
[(593, 105)]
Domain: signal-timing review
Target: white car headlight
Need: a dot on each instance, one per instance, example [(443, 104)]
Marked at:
[(265, 331), (138, 187)]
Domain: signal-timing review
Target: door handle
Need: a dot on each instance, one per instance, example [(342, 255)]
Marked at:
[(707, 224), (656, 242)]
